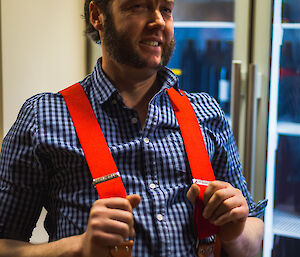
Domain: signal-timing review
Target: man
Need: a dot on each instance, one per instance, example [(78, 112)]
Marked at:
[(42, 163)]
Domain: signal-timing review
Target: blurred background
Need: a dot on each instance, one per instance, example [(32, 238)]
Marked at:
[(242, 52)]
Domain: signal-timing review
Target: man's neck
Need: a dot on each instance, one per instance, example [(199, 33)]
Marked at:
[(137, 86)]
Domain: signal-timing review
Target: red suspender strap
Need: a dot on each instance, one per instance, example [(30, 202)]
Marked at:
[(201, 169), (106, 177), (103, 168)]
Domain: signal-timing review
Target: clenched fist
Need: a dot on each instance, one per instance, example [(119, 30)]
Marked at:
[(225, 206), (110, 223)]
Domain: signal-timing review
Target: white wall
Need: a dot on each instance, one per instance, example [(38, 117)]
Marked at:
[(43, 49)]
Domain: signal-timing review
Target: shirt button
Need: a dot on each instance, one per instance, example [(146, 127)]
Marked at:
[(159, 217), (146, 140), (152, 186), (134, 120)]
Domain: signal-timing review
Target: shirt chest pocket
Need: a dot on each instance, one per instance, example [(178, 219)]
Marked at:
[(174, 156)]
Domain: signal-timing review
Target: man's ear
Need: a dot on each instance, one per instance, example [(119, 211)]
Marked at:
[(96, 16)]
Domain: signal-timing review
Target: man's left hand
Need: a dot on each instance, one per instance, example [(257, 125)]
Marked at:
[(225, 206)]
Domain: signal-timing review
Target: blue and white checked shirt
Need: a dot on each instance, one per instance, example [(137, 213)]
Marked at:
[(42, 164)]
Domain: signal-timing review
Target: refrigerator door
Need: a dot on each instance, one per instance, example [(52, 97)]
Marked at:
[(282, 218), (209, 35), (204, 34)]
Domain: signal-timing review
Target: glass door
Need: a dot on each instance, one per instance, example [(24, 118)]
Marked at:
[(209, 35), (204, 34), (282, 219)]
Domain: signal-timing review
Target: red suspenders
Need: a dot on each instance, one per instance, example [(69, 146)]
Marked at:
[(197, 155), (103, 168), (93, 143)]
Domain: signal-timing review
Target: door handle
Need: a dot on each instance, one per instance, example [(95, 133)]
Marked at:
[(235, 98), (251, 120)]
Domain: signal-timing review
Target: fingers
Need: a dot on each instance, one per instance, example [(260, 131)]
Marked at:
[(111, 220), (100, 213), (134, 200), (193, 193), (218, 203), (235, 215), (213, 187), (115, 203), (110, 224), (109, 232), (231, 210), (224, 204), (108, 220)]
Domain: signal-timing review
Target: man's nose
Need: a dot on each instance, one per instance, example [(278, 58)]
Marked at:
[(158, 20)]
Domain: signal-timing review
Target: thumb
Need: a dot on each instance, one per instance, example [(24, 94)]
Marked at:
[(193, 193), (134, 200)]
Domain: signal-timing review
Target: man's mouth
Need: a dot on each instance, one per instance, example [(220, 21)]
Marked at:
[(151, 43)]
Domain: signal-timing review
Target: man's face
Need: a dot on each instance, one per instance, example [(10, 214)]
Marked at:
[(139, 33)]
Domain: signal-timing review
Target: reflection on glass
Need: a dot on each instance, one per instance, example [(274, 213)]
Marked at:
[(290, 11), (289, 85), (204, 10), (284, 246), (287, 184), (202, 61)]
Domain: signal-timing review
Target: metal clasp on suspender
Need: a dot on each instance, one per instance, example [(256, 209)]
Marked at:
[(201, 182), (106, 178)]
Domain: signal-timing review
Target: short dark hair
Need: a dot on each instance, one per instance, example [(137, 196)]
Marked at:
[(90, 31)]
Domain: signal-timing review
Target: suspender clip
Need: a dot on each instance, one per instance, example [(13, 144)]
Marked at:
[(201, 182), (105, 178)]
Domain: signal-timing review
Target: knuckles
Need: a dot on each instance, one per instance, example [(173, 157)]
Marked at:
[(95, 224), (227, 205), (219, 195), (98, 211), (217, 184), (110, 223), (235, 214)]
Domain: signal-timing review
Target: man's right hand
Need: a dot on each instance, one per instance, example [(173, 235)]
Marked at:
[(110, 224)]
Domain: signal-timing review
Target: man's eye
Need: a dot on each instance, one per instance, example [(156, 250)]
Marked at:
[(139, 6), (167, 11)]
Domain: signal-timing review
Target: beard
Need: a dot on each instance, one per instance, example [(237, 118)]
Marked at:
[(120, 49)]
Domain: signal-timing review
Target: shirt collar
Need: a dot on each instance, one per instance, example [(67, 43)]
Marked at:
[(100, 82), (105, 89), (167, 78)]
